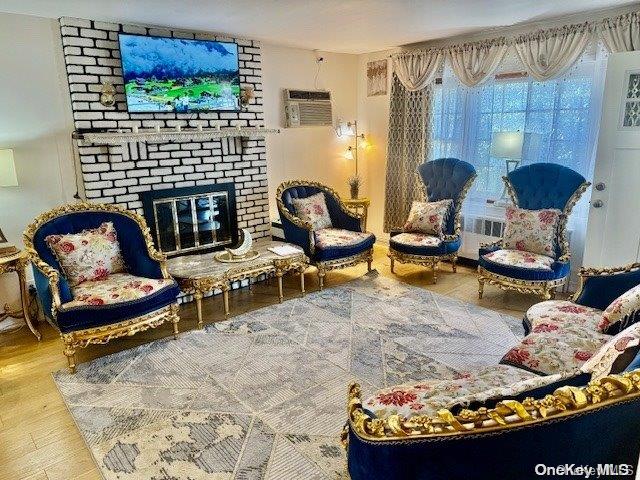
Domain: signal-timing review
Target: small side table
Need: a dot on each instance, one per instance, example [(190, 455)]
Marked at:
[(359, 205), (18, 263)]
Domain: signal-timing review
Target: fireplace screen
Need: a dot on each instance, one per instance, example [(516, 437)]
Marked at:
[(190, 219)]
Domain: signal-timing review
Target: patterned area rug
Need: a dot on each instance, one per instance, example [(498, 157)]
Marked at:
[(263, 395)]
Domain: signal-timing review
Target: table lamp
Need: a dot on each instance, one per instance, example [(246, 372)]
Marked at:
[(8, 178), (507, 146)]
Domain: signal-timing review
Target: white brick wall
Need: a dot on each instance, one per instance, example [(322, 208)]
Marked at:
[(119, 174)]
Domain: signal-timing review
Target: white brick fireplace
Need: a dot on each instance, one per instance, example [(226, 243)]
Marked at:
[(117, 174)]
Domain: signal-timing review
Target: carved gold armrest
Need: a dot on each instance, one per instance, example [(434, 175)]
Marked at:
[(52, 275), (496, 243), (586, 272), (504, 415)]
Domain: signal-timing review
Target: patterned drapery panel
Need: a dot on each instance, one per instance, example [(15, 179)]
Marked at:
[(409, 143)]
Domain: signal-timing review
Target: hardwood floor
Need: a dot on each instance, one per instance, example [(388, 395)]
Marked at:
[(38, 438)]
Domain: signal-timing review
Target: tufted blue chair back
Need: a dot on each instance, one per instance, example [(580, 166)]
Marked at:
[(544, 185), (304, 191), (445, 178)]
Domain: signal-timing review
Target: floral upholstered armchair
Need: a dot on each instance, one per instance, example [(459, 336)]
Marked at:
[(432, 231), (97, 274), (533, 255), (314, 218)]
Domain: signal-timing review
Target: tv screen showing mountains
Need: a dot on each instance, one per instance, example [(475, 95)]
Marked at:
[(177, 75)]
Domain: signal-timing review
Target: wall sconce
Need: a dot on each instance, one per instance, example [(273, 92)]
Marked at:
[(108, 95), (246, 95)]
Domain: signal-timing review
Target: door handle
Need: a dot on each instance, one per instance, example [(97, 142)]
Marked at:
[(598, 204)]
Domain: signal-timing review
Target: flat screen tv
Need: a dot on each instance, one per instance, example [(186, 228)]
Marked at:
[(176, 75)]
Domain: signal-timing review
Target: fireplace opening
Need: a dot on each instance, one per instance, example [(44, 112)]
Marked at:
[(192, 219)]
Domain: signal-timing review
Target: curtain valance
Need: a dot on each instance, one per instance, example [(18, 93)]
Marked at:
[(474, 62), (549, 53), (621, 34), (417, 70), (545, 54)]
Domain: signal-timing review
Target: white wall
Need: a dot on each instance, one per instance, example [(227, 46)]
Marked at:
[(314, 153), (373, 115), (35, 121)]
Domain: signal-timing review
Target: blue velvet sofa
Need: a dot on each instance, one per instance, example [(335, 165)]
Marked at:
[(510, 420), (443, 178), (345, 244), (534, 187), (81, 324)]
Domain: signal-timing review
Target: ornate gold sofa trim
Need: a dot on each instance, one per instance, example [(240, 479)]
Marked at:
[(507, 414), (433, 261), (544, 288), (102, 334), (328, 265), (588, 272)]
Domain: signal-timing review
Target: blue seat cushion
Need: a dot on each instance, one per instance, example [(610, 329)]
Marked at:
[(423, 244), (118, 298), (555, 270), (334, 243)]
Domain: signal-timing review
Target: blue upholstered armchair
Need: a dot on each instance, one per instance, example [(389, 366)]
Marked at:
[(94, 312), (343, 244), (444, 178), (534, 187)]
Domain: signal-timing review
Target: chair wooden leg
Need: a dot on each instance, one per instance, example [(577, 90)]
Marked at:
[(175, 321), (70, 353), (480, 287), (546, 293), (434, 271), (393, 264), (454, 259), (369, 261), (321, 274)]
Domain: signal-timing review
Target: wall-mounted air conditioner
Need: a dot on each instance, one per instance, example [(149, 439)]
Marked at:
[(307, 108)]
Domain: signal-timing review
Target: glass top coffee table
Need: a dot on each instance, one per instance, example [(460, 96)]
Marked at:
[(201, 273)]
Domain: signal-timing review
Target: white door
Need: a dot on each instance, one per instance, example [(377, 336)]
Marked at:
[(613, 232)]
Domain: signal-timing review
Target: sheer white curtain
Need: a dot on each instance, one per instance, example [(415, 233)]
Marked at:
[(563, 112)]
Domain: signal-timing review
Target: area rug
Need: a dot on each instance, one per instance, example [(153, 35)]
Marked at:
[(262, 396)]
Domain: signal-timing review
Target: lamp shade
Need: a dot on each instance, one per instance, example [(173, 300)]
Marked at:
[(349, 154), (8, 177), (507, 145)]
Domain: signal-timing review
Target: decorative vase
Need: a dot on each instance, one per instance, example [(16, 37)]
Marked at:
[(354, 191)]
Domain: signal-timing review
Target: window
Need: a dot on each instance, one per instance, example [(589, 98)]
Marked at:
[(558, 115)]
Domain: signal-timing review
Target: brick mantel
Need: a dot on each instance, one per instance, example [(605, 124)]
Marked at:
[(117, 174)]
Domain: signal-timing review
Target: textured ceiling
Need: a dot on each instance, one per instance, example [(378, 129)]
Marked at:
[(348, 26)]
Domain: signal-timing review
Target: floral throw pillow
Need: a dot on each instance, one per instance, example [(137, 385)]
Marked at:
[(531, 230), (314, 210), (428, 217), (602, 362), (89, 255), (620, 309)]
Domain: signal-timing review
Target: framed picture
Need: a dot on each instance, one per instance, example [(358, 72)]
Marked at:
[(377, 78)]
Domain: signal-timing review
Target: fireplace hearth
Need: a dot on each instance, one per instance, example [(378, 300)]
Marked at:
[(192, 219)]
